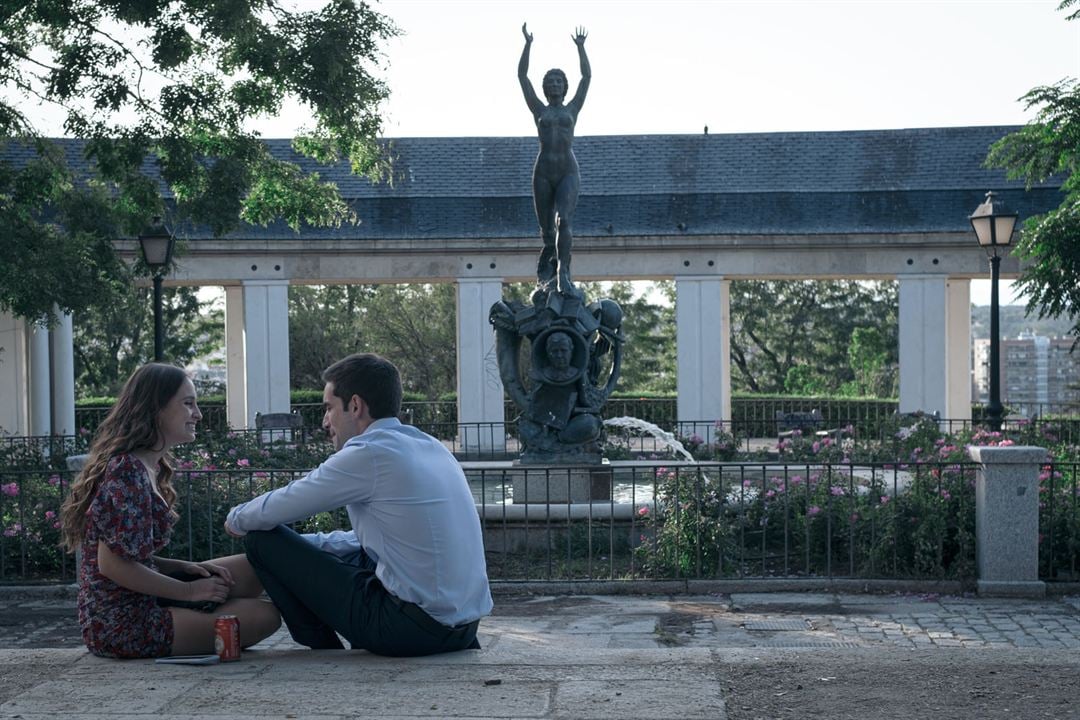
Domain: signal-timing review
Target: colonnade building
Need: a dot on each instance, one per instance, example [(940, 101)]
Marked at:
[(702, 210)]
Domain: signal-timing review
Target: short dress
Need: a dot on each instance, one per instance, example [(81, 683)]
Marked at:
[(135, 523)]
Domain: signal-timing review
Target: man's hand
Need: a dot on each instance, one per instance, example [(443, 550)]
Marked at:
[(526, 33), (230, 531)]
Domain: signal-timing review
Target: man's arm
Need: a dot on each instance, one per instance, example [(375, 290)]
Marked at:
[(337, 542), (333, 484), (129, 574)]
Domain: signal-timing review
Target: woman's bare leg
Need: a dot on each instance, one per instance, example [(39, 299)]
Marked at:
[(245, 582), (193, 631)]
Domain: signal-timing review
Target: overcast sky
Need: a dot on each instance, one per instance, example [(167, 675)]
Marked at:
[(679, 65), (675, 66)]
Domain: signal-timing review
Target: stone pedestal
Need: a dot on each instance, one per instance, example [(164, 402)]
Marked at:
[(560, 484), (1007, 520)]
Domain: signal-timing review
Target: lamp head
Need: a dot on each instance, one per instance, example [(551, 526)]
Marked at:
[(156, 243), (993, 224)]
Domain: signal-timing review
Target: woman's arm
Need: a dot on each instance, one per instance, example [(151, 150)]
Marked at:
[(586, 70), (136, 576), (201, 569), (535, 106)]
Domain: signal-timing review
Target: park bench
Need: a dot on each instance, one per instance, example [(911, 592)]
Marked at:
[(906, 422), (279, 427), (807, 423)]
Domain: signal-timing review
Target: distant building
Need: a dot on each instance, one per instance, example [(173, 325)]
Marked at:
[(1038, 374)]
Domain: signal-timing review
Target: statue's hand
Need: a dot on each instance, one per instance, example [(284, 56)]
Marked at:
[(526, 33), (579, 36)]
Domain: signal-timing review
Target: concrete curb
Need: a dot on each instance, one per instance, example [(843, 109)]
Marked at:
[(509, 588)]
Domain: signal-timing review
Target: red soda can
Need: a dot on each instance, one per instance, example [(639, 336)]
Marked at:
[(227, 638)]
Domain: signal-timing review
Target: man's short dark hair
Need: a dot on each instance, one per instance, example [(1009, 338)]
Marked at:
[(373, 378)]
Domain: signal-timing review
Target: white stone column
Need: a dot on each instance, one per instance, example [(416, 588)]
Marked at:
[(1007, 520), (935, 340), (235, 371), (266, 347), (40, 396), (63, 376), (703, 342), (479, 388), (958, 349), (14, 379)]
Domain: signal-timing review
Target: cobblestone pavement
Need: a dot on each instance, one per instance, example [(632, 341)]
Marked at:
[(800, 620), (739, 620), (738, 656)]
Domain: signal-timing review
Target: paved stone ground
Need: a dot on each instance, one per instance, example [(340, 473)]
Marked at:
[(743, 655), (740, 620)]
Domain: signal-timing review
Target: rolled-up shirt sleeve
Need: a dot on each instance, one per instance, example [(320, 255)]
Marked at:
[(336, 542), (333, 484)]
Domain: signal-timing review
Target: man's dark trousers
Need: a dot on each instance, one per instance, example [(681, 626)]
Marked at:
[(319, 593)]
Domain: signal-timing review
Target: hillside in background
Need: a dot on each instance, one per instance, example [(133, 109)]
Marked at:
[(1013, 323)]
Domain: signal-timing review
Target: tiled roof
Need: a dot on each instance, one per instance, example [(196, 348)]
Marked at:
[(920, 159), (919, 180)]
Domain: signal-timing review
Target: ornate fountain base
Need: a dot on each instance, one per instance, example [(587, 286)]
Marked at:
[(568, 376), (533, 483)]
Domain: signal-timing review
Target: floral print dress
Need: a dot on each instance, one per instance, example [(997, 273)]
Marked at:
[(134, 522)]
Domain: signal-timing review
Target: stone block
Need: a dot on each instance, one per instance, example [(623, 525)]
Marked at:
[(1007, 520), (560, 484)]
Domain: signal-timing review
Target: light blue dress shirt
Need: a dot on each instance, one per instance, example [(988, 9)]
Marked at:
[(411, 511)]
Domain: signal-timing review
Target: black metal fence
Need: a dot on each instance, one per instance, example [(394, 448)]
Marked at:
[(1059, 521), (634, 520), (30, 527), (704, 439)]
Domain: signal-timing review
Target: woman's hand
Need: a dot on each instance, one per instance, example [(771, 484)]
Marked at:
[(213, 589), (579, 36), (526, 33), (207, 569)]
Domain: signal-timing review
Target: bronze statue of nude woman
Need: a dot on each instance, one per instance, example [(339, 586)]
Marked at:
[(555, 174)]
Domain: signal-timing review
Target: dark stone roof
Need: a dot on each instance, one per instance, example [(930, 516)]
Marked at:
[(881, 181), (921, 159)]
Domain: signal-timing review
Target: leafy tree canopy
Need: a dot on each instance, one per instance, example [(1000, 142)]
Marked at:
[(816, 337), (112, 341), (1049, 243), (414, 325), (411, 325), (164, 92)]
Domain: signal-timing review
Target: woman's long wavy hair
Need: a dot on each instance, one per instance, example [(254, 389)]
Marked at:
[(132, 424)]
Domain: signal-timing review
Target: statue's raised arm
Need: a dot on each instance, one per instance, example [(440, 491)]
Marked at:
[(586, 71), (535, 106)]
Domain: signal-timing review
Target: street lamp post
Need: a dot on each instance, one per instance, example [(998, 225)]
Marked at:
[(994, 228), (156, 243)]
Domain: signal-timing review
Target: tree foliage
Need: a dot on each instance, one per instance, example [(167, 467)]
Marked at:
[(414, 326), (813, 337), (649, 359), (164, 92), (112, 341), (1049, 243)]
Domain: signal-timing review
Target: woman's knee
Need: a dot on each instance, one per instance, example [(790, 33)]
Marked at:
[(258, 620)]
